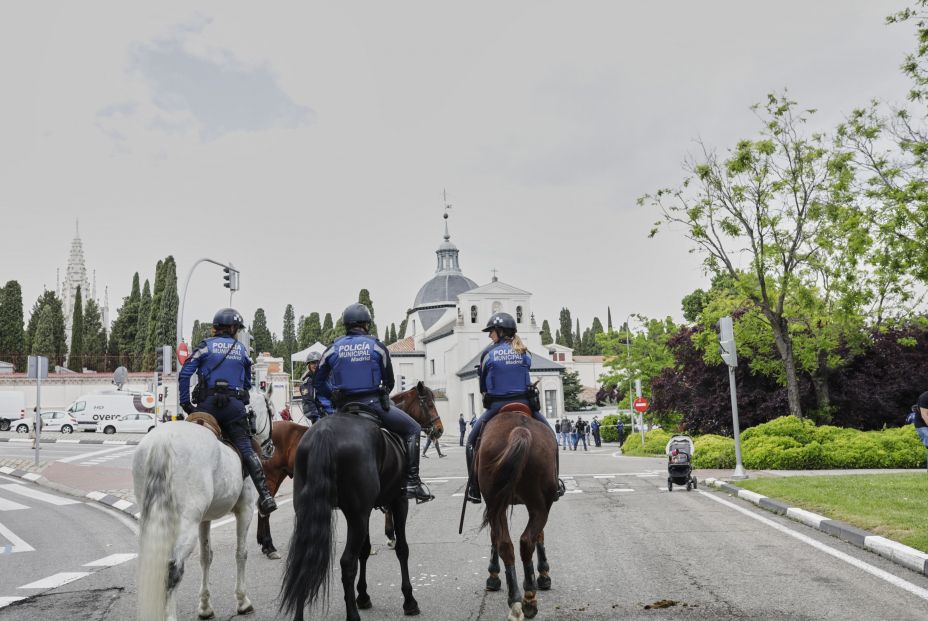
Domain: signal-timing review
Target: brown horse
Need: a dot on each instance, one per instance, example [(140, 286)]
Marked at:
[(418, 402), (516, 465)]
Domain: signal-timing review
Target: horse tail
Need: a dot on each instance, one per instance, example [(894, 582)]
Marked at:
[(508, 467), (308, 561), (157, 532)]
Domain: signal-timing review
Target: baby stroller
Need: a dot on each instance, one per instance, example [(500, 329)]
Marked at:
[(680, 462)]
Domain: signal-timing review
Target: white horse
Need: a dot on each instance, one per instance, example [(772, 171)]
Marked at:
[(184, 478)]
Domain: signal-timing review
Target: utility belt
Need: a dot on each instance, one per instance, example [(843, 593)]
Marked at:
[(340, 397), (222, 391), (228, 392)]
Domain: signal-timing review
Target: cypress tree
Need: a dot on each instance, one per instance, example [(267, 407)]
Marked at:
[(130, 316), (167, 316), (327, 325), (202, 330), (311, 330), (596, 348), (144, 359), (578, 340), (94, 337), (364, 297), (288, 340), (12, 334), (76, 359), (263, 341), (545, 333), (43, 343), (154, 316), (566, 337), (609, 318), (392, 333), (402, 333)]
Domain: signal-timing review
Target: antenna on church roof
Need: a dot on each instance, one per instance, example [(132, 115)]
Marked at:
[(444, 197)]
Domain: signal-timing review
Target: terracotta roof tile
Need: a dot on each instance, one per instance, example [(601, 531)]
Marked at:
[(403, 346)]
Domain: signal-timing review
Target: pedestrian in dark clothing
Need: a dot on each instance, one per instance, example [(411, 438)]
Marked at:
[(594, 428), (565, 430), (581, 433), (557, 431), (428, 442), (921, 419), (463, 426), (620, 430)]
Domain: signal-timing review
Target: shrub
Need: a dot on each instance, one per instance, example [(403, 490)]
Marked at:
[(803, 431), (608, 432), (712, 451), (655, 441)]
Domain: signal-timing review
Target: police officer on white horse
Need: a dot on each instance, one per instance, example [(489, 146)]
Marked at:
[(223, 371), (504, 378), (356, 368)]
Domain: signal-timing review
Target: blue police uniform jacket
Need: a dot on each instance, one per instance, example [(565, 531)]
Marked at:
[(210, 362), (354, 364), (504, 372), (310, 397)]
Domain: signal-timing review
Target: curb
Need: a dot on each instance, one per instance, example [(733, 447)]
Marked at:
[(69, 441), (908, 557), (108, 500)]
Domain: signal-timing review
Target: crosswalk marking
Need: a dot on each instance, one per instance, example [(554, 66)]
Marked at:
[(9, 505), (22, 490), (111, 560), (620, 489), (16, 544), (84, 456), (56, 580)]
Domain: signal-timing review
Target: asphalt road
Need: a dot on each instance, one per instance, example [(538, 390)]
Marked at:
[(612, 554)]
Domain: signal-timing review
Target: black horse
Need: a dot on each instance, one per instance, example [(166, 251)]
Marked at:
[(346, 461)]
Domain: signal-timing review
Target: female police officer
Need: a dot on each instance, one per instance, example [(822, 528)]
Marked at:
[(504, 378), (223, 380), (356, 368)]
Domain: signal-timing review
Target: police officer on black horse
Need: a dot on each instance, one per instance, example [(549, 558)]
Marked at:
[(504, 378), (223, 380), (356, 368)]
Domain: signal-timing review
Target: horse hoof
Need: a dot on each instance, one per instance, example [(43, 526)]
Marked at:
[(515, 613), (273, 555), (364, 603), (494, 583), (206, 615), (544, 583), (247, 609), (392, 544), (412, 609), (530, 609)]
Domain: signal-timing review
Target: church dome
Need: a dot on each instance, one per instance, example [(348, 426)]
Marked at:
[(443, 287)]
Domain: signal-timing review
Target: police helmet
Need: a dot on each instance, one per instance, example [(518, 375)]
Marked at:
[(501, 321), (313, 356), (228, 317), (355, 314)]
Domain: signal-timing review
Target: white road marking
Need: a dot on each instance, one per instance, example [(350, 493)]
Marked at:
[(458, 495), (617, 489), (847, 558), (6, 601), (111, 560), (603, 476), (231, 518), (81, 456), (574, 491), (434, 480), (56, 580), (28, 492), (9, 505), (18, 545)]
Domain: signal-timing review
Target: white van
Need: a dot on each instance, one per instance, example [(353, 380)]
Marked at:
[(12, 408), (94, 408)]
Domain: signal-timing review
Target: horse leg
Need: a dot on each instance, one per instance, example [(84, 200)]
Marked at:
[(364, 600), (544, 578), (507, 552), (536, 522), (243, 511), (400, 509), (493, 582), (205, 610), (357, 534), (388, 529), (182, 549)]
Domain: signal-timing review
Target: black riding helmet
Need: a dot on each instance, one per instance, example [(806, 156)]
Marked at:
[(356, 314), (228, 317), (313, 356), (503, 322)]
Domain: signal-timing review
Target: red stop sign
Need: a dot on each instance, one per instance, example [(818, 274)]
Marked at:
[(641, 405), (183, 352)]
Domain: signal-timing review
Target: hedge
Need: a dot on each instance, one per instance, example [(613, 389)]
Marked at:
[(788, 443)]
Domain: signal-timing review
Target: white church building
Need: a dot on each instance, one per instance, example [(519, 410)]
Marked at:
[(444, 338)]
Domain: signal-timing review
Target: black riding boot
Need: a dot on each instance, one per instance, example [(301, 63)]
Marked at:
[(472, 493), (414, 487), (266, 502), (561, 488)]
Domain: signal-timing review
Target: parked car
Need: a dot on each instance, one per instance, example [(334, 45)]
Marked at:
[(91, 409), (54, 420), (12, 408), (128, 423)]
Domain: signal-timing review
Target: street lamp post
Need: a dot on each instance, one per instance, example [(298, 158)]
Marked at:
[(628, 352)]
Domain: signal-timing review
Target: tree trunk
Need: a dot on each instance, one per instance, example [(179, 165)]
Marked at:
[(785, 348)]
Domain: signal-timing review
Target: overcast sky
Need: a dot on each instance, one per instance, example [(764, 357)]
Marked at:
[(309, 143)]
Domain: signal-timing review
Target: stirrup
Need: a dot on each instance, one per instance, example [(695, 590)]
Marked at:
[(470, 495), (417, 491), (561, 489)]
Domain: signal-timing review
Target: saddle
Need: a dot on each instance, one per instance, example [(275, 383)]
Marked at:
[(521, 408), (208, 421)]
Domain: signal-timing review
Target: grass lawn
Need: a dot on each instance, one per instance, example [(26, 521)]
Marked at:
[(892, 505)]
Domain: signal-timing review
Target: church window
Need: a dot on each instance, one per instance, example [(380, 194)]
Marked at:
[(473, 314), (497, 307), (432, 365), (550, 403), (518, 314)]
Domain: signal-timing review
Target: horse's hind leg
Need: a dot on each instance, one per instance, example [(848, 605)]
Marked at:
[(186, 540), (364, 600), (493, 581), (242, 512), (358, 524), (400, 510), (536, 522), (500, 536), (205, 610), (544, 577)]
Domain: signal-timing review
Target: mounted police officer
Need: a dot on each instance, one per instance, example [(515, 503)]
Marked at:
[(223, 371), (356, 368), (504, 379), (314, 406)]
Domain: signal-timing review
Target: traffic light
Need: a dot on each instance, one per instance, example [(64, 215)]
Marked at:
[(230, 276), (159, 363), (727, 341)]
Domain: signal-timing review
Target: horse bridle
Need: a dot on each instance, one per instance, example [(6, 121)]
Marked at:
[(424, 406)]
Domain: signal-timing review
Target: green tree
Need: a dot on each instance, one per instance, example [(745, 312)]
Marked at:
[(572, 389), (364, 297), (263, 341), (328, 330), (289, 343), (126, 323), (637, 355), (55, 346), (154, 316), (402, 332), (94, 341), (693, 304), (310, 331), (392, 333), (12, 333), (566, 336), (144, 360), (202, 330), (609, 318), (777, 203), (76, 357), (546, 333), (167, 315), (45, 342)]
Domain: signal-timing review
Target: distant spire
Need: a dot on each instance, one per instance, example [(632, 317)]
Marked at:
[(494, 270), (77, 227), (444, 197)]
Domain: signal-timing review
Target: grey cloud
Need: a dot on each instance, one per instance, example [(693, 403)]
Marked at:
[(222, 96)]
